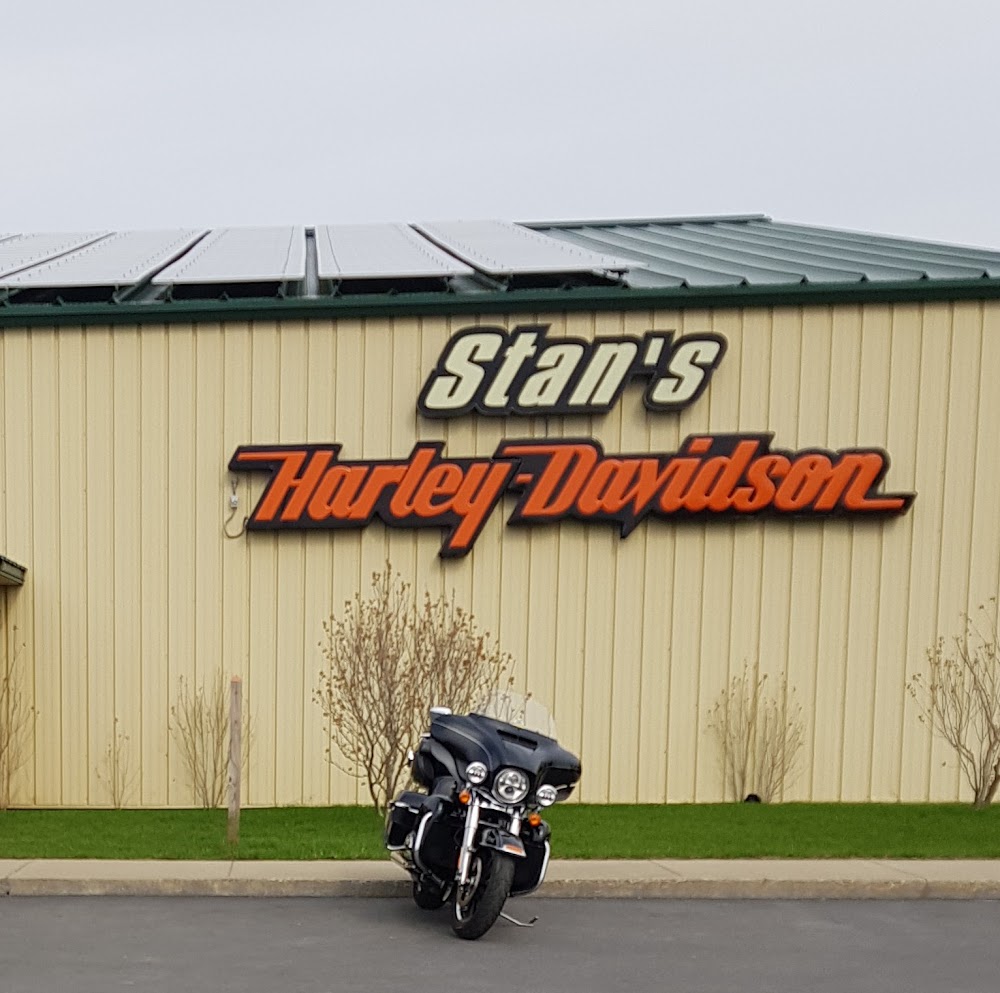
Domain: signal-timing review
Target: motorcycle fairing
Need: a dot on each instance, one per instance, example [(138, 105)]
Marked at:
[(476, 738)]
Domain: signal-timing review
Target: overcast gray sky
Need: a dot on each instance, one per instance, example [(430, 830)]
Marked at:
[(874, 115)]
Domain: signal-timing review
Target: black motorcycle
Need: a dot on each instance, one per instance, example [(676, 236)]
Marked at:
[(477, 835)]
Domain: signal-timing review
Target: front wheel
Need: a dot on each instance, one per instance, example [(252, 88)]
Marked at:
[(478, 905)]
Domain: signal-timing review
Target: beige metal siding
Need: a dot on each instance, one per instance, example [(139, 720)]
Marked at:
[(115, 488)]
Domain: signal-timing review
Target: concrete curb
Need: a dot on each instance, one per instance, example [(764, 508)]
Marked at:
[(668, 879)]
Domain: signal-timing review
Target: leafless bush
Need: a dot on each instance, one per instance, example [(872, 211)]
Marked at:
[(760, 735), (118, 774), (387, 661), (15, 721), (201, 729), (959, 700)]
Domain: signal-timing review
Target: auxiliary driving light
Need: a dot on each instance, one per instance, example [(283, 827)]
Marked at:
[(546, 795), (475, 773)]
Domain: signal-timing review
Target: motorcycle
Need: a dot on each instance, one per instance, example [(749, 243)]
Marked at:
[(476, 836)]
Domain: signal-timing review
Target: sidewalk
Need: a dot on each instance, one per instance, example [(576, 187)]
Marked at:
[(856, 879)]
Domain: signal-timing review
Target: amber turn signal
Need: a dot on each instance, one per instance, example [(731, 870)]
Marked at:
[(534, 818), (464, 797)]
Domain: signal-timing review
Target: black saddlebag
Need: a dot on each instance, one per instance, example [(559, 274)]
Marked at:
[(401, 818)]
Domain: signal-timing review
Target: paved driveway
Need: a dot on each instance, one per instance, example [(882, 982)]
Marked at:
[(98, 945)]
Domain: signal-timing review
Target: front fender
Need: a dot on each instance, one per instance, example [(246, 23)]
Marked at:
[(502, 841)]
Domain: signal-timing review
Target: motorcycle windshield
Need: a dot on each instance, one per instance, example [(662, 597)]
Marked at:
[(476, 738)]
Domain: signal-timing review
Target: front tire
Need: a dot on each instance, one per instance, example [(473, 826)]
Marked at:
[(477, 909)]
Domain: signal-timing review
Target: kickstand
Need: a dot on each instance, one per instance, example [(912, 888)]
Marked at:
[(514, 920)]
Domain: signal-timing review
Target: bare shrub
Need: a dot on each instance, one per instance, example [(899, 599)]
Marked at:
[(16, 717), (959, 700), (760, 734), (118, 773), (387, 661), (201, 729)]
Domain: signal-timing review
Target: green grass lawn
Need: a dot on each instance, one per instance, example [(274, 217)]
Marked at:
[(578, 831)]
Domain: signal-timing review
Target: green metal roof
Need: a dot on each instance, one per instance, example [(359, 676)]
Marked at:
[(731, 261)]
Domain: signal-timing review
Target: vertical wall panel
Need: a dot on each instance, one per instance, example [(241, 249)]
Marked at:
[(237, 389), (717, 604), (659, 655), (180, 554), (807, 543), (99, 565), (73, 569), (754, 375), (19, 516), (263, 601), (44, 482), (959, 488), (893, 652), (837, 569), (785, 402), (317, 601), (128, 511), (570, 600), (147, 732), (210, 495), (349, 579), (864, 609), (931, 430), (289, 681), (630, 565)]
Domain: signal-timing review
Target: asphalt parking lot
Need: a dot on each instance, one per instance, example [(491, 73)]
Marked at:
[(96, 945)]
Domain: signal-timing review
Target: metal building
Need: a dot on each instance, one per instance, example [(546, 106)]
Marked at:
[(643, 452)]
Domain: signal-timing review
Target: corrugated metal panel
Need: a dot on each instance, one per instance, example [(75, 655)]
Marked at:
[(24, 250), (986, 262), (758, 268), (501, 248), (678, 268), (628, 642), (118, 260), (758, 252), (242, 255), (875, 266), (381, 251)]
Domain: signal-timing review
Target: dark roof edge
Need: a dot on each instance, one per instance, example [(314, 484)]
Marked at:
[(11, 574), (519, 301), (614, 222)]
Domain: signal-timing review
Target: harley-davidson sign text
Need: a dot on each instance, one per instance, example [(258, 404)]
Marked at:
[(723, 475)]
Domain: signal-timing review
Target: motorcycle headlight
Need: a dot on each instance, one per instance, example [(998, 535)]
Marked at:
[(546, 795), (511, 785), (475, 773)]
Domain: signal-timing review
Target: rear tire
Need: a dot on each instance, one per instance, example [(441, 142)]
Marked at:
[(480, 909), (427, 896)]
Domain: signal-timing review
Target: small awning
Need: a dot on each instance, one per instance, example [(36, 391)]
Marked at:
[(11, 574)]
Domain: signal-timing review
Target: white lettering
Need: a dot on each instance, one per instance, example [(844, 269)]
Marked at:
[(456, 387), (522, 348), (606, 374), (690, 363), (556, 366)]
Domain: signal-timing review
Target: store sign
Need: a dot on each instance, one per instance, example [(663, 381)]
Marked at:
[(722, 475), (496, 373)]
